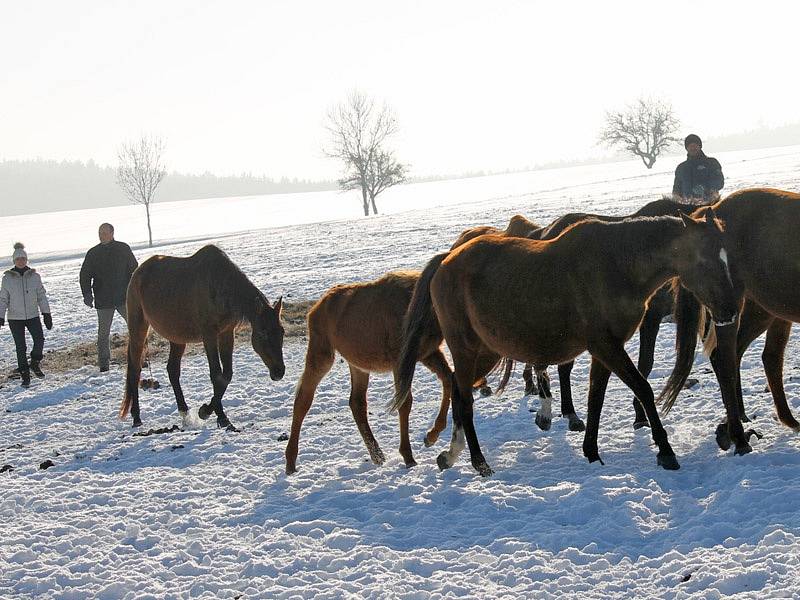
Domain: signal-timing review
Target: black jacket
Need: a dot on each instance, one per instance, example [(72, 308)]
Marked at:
[(105, 273), (698, 177)]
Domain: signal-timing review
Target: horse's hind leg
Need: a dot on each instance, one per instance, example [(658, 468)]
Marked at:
[(565, 391), (544, 416), (174, 372), (319, 360), (359, 381), (137, 336), (774, 347), (405, 443), (527, 377), (438, 364)]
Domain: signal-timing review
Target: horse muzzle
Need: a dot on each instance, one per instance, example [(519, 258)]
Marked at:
[(277, 373), (724, 322)]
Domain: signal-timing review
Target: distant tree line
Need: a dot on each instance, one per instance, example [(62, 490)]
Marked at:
[(30, 186)]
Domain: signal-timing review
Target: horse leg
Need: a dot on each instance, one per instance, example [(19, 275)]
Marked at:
[(527, 377), (463, 425), (437, 363), (598, 381), (544, 416), (137, 336), (405, 443), (174, 372), (319, 360), (565, 391), (211, 346), (616, 359), (225, 346), (648, 332), (772, 357), (359, 381), (483, 387)]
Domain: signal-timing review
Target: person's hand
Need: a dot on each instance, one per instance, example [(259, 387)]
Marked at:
[(48, 320), (87, 300)]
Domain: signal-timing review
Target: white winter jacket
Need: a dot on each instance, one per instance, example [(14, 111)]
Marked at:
[(22, 295)]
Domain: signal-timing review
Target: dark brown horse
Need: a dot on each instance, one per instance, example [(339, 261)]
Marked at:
[(201, 298), (364, 323), (761, 235), (659, 306), (493, 298)]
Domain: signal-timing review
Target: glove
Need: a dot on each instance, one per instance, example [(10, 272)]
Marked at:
[(48, 320), (87, 300)]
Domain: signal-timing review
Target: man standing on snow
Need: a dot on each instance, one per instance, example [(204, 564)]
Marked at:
[(698, 178), (105, 274)]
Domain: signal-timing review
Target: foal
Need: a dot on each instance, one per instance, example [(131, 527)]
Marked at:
[(201, 298), (364, 323), (492, 298)]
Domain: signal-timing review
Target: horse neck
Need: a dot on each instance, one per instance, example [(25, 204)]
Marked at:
[(244, 297), (646, 251)]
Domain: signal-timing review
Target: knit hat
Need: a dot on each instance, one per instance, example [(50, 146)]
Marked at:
[(692, 139), (19, 251)]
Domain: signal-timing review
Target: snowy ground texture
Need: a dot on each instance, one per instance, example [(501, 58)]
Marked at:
[(209, 513)]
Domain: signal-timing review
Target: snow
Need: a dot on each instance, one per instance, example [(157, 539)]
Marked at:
[(210, 514)]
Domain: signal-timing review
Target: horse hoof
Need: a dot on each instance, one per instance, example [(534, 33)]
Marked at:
[(483, 469), (752, 432), (640, 424), (742, 449), (229, 427), (411, 463), (378, 458), (443, 461), (429, 440), (543, 422), (670, 463), (486, 391), (291, 469), (575, 424), (205, 411), (595, 458), (137, 423), (723, 439)]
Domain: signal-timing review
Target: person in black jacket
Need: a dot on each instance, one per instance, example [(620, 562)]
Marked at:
[(699, 178), (105, 274)]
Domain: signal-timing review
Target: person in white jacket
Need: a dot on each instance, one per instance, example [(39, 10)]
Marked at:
[(22, 295)]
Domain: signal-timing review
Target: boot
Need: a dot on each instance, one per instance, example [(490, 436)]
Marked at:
[(36, 369), (26, 378)]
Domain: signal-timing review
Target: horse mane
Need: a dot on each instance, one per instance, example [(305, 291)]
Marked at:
[(229, 283)]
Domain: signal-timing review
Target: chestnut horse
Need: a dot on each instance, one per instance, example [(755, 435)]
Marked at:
[(493, 298), (364, 323), (761, 232), (201, 298)]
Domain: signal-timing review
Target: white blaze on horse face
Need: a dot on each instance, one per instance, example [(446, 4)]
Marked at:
[(723, 256)]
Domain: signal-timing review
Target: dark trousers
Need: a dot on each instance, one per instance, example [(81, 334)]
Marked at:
[(34, 326)]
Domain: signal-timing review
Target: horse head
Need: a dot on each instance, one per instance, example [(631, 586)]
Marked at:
[(703, 265), (268, 336)]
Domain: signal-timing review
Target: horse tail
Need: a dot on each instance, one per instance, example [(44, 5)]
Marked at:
[(687, 322), (419, 320), (708, 332), (505, 366)]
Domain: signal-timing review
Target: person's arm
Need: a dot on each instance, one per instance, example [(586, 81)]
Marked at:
[(41, 298), (87, 274), (676, 186), (132, 263), (5, 299), (715, 180)]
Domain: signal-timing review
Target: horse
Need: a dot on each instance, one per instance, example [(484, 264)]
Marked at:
[(518, 226), (202, 298), (761, 227), (659, 306), (492, 298), (364, 323)]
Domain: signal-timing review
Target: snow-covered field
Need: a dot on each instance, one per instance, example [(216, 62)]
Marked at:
[(209, 513)]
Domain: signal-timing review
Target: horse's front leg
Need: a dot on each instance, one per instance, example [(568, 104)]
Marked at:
[(219, 349)]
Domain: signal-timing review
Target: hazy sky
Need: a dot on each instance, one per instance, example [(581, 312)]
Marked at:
[(244, 86)]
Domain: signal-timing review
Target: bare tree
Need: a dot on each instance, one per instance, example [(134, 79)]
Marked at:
[(359, 133), (139, 172), (644, 129)]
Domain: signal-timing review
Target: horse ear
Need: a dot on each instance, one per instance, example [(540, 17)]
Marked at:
[(711, 217), (278, 306)]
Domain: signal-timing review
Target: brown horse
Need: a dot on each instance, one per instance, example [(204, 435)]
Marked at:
[(518, 226), (493, 298), (201, 298), (364, 323), (761, 228), (659, 306)]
